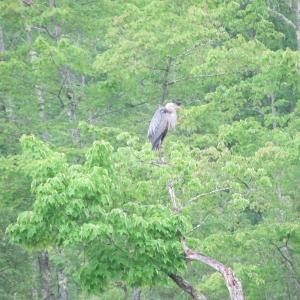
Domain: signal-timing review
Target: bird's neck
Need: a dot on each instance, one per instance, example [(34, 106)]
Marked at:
[(172, 119)]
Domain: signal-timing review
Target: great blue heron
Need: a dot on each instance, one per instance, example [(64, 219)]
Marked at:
[(163, 119)]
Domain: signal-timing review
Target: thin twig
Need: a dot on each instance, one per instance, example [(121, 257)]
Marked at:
[(283, 256), (281, 17), (118, 110), (233, 284), (194, 47), (198, 226), (45, 28), (203, 76), (207, 194)]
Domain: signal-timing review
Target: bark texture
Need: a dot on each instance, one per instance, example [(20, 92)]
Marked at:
[(62, 279), (187, 287), (3, 115), (136, 294), (72, 106), (45, 273), (234, 286), (62, 285), (34, 277), (42, 113)]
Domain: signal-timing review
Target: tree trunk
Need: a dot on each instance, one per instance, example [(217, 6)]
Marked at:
[(45, 273), (7, 110), (11, 110), (298, 23), (38, 89), (42, 114), (61, 277), (62, 280), (3, 113), (57, 28), (34, 281), (136, 294), (165, 83), (62, 284), (71, 110), (2, 47), (273, 111), (188, 288), (2, 105)]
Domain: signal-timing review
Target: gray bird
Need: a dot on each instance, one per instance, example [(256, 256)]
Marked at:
[(163, 119)]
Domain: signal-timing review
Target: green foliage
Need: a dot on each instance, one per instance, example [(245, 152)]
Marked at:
[(75, 205), (87, 78)]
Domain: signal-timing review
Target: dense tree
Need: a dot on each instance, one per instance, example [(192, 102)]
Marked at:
[(83, 194)]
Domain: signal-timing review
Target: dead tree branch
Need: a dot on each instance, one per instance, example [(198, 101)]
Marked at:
[(198, 225), (284, 253), (197, 76), (208, 194), (171, 192), (196, 46), (165, 82), (234, 286), (118, 110), (136, 294), (187, 287), (281, 17)]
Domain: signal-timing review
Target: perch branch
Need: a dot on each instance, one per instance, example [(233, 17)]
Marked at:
[(187, 287), (208, 194)]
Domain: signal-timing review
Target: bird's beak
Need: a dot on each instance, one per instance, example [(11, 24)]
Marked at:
[(178, 105)]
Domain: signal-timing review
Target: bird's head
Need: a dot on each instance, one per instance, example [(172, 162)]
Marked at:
[(172, 106)]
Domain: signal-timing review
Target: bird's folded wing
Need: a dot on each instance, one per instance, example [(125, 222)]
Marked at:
[(158, 125)]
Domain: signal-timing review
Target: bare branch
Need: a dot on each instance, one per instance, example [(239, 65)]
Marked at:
[(4, 269), (283, 251), (234, 286), (165, 82), (45, 28), (187, 287), (154, 68), (157, 163), (283, 256), (136, 295), (171, 192), (194, 47), (207, 194), (243, 182), (207, 76), (197, 76), (118, 110), (198, 226), (28, 2), (281, 17)]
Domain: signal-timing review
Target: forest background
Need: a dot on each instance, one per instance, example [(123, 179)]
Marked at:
[(86, 212)]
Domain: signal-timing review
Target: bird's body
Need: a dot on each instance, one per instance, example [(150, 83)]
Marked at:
[(163, 119)]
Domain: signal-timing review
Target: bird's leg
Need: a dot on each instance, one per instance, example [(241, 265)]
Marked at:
[(161, 154)]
